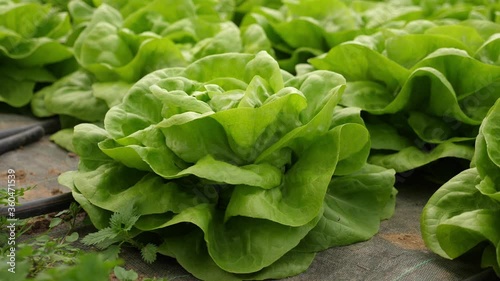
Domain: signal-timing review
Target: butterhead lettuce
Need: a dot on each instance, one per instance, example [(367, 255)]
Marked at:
[(32, 37), (236, 168), (422, 101), (465, 211), (116, 43)]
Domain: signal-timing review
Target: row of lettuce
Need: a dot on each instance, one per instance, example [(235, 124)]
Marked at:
[(266, 130)]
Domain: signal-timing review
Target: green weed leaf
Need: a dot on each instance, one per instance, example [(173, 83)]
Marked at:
[(149, 252)]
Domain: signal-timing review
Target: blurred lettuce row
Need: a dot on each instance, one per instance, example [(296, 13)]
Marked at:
[(464, 214), (32, 48), (301, 29), (424, 88), (251, 170), (117, 42)]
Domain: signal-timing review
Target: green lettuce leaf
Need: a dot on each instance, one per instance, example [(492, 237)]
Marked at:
[(353, 208), (411, 157), (71, 95)]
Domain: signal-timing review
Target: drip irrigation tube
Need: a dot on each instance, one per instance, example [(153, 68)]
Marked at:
[(40, 207), (13, 138), (16, 137)]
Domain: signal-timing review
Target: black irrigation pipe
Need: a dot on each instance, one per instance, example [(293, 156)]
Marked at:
[(13, 138), (40, 206), (16, 137)]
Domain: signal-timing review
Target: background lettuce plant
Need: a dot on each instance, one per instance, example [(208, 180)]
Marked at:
[(303, 29), (464, 213), (426, 105), (249, 173), (116, 43), (32, 37)]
